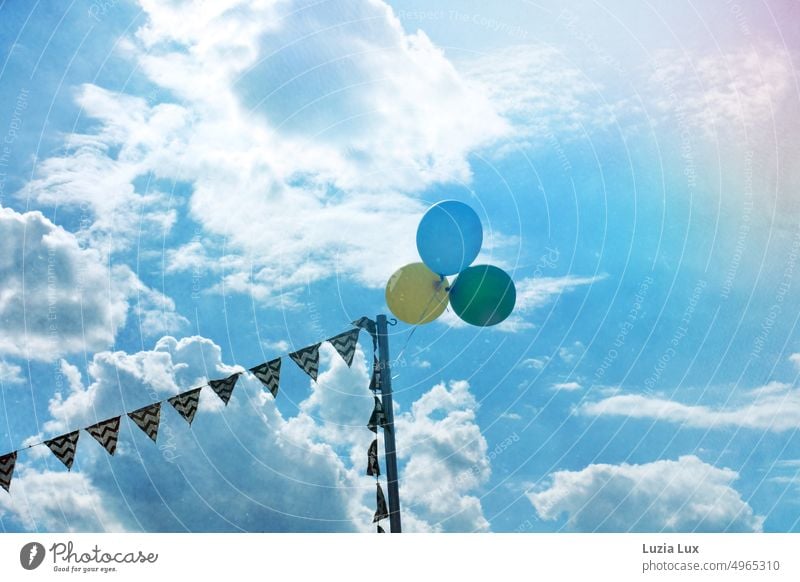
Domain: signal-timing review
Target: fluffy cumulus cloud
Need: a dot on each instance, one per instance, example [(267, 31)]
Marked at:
[(446, 460), (59, 297), (308, 116), (773, 407), (10, 373), (97, 170), (663, 496), (247, 466), (55, 500)]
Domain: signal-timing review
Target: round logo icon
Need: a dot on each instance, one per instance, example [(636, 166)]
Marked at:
[(31, 555)]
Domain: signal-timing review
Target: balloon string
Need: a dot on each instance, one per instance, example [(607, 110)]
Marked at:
[(422, 315)]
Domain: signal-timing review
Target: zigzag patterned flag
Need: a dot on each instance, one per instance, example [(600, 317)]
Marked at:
[(368, 325), (382, 512), (7, 463), (345, 343), (375, 381), (106, 433), (186, 403), (224, 388), (373, 467), (147, 419), (308, 360), (270, 375), (378, 418), (63, 447)]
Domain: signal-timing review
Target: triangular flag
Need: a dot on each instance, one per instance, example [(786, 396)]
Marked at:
[(378, 418), (308, 360), (270, 375), (368, 325), (375, 381), (106, 433), (7, 463), (373, 467), (345, 343), (382, 512), (186, 404), (147, 419), (380, 529), (224, 388), (63, 447)]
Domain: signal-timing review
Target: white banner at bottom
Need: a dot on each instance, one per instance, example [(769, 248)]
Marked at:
[(618, 557)]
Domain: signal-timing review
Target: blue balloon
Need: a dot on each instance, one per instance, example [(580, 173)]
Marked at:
[(449, 237)]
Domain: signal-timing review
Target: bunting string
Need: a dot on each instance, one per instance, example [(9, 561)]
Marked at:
[(376, 419), (148, 418)]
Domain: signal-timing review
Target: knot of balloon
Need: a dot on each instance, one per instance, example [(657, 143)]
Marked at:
[(449, 238)]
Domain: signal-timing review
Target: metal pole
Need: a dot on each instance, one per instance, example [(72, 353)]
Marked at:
[(388, 430)]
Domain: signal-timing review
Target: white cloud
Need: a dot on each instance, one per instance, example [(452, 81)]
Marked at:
[(278, 346), (788, 464), (58, 298), (773, 407), (532, 294), (510, 416), (57, 501), (446, 459), (535, 363), (190, 257), (569, 354), (535, 292), (543, 93), (97, 170), (723, 92), (795, 359), (339, 134), (568, 386), (10, 373), (663, 496)]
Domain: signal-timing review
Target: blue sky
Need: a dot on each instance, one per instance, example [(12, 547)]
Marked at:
[(188, 191)]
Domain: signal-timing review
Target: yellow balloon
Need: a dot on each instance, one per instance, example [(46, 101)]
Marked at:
[(415, 294)]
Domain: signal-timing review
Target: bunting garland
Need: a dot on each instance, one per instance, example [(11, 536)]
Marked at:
[(270, 374), (106, 433), (63, 447), (378, 418), (373, 468), (382, 512), (375, 380), (308, 360), (7, 463), (369, 326), (186, 403), (224, 388), (345, 343), (148, 418)]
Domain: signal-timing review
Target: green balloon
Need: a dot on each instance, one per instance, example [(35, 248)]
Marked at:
[(483, 295)]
